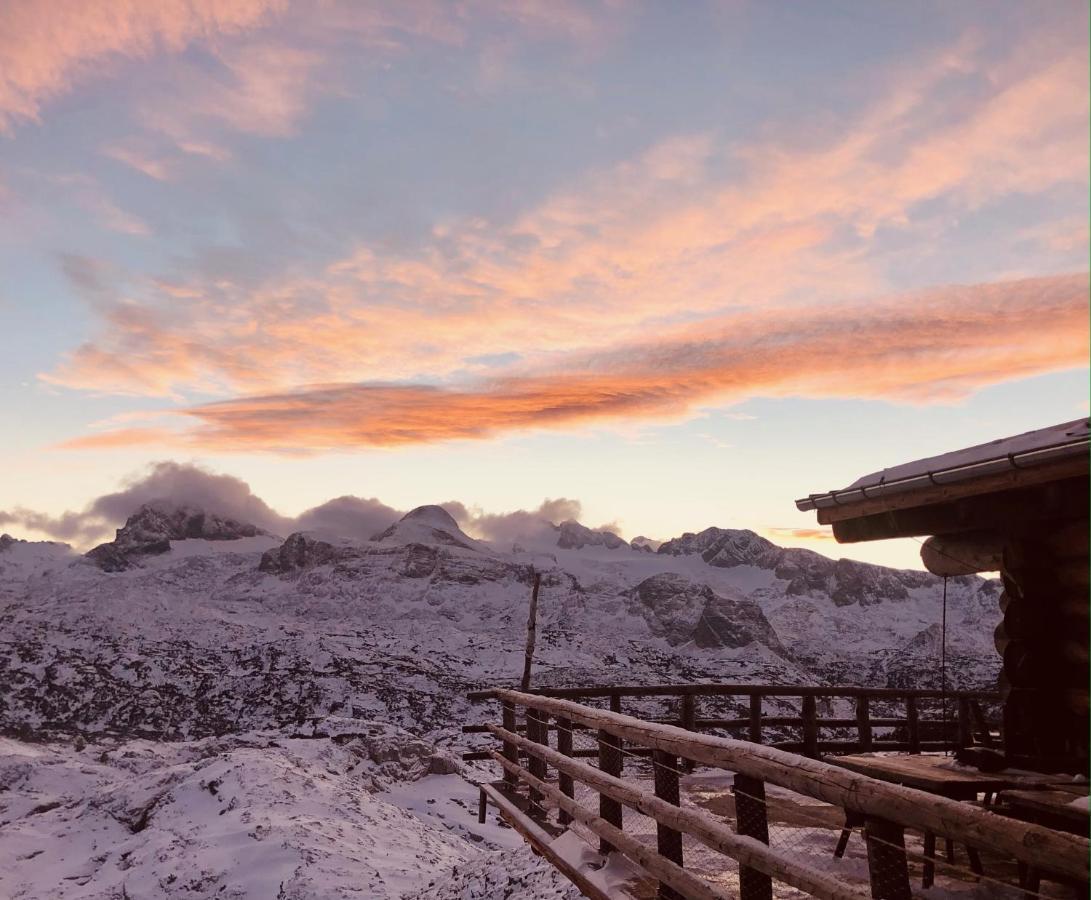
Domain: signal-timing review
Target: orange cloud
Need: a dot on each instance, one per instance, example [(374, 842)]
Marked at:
[(938, 345), (618, 257), (802, 534), (48, 47)]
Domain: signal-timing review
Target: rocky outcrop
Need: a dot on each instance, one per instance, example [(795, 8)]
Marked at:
[(302, 551), (571, 535), (150, 530), (680, 610), (845, 581)]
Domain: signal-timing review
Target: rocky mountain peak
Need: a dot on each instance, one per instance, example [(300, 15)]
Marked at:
[(428, 525), (571, 535), (150, 530)]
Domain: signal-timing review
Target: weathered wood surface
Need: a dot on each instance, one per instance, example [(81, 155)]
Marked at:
[(740, 690), (643, 855), (541, 841), (532, 632), (700, 825), (1010, 480), (1042, 847)]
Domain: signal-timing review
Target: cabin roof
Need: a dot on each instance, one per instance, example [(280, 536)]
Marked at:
[(1030, 450)]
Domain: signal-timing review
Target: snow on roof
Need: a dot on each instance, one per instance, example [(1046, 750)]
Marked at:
[(1018, 451)]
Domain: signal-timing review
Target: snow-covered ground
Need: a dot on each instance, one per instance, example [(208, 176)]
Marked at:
[(161, 696)]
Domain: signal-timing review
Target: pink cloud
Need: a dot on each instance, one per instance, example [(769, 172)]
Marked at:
[(48, 48), (936, 346)]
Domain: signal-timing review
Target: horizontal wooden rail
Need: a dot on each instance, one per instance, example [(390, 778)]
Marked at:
[(701, 825), (740, 690), (1039, 847), (766, 721)]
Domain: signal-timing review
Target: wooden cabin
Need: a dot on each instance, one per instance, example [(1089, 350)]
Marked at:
[(1017, 505)]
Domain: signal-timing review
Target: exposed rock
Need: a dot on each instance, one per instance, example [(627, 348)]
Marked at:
[(151, 528), (302, 551), (571, 535), (679, 610)]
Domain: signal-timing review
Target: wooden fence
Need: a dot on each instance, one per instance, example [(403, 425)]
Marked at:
[(969, 723), (886, 809)]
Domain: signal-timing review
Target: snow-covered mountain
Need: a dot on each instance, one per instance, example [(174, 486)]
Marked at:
[(193, 642)]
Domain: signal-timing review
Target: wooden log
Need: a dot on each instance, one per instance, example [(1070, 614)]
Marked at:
[(1063, 854), (810, 727), (702, 826), (668, 840), (542, 842), (888, 867), (687, 884), (963, 554), (752, 820), (863, 723), (718, 690), (913, 724), (755, 718), (564, 780), (609, 762)]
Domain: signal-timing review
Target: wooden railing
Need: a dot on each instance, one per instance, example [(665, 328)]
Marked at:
[(527, 759), (910, 732)]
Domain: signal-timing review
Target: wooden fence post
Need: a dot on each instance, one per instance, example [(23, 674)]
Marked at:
[(668, 841), (564, 745), (752, 820), (755, 718), (511, 752), (912, 720), (610, 763), (615, 703), (810, 726), (965, 727), (863, 723), (887, 865), (689, 721), (537, 731)]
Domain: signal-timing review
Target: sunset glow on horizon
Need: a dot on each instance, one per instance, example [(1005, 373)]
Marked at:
[(679, 264)]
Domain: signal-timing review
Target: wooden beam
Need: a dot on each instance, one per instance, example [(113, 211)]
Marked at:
[(1018, 511), (707, 829), (541, 841), (1009, 481), (1064, 854), (730, 689), (688, 884)]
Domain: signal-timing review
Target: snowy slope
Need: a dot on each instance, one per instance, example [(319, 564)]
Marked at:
[(209, 659)]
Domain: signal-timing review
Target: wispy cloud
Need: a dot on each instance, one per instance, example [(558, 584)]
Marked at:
[(801, 534), (690, 229), (49, 47), (936, 346)]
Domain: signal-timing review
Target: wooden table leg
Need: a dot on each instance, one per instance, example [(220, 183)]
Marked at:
[(949, 848), (929, 876), (852, 820), (975, 860)]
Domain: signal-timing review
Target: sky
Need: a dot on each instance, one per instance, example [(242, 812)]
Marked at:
[(676, 265)]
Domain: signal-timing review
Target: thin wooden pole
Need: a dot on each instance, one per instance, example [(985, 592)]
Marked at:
[(532, 631), (564, 780), (609, 762)]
